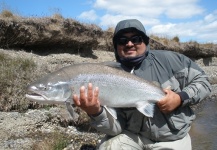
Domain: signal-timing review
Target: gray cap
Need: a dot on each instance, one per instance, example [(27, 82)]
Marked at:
[(129, 25)]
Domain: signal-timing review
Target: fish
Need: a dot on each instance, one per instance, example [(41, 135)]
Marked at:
[(117, 88)]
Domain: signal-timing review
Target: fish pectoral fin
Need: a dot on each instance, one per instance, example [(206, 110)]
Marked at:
[(147, 109), (71, 111), (111, 111)]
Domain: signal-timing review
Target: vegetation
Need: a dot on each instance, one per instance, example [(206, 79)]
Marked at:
[(52, 141), (55, 32), (165, 40), (15, 73), (7, 14), (176, 39), (57, 35), (58, 141), (46, 35)]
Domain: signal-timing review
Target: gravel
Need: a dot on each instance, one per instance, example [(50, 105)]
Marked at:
[(28, 129)]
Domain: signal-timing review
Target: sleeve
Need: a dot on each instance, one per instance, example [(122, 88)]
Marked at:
[(198, 86), (106, 123), (195, 84)]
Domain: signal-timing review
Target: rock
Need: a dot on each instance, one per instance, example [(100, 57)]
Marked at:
[(36, 128)]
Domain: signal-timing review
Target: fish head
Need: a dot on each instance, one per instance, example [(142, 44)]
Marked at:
[(52, 88)]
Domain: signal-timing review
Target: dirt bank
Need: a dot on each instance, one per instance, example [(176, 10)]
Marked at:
[(38, 128)]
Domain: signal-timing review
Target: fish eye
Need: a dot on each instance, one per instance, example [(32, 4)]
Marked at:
[(43, 87), (47, 88)]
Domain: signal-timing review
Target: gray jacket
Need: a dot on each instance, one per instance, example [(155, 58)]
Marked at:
[(168, 69)]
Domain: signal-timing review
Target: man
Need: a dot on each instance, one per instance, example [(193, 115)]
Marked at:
[(169, 127)]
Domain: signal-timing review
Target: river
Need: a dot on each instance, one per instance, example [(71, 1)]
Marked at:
[(204, 129)]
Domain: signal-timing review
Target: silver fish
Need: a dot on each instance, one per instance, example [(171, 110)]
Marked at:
[(117, 88)]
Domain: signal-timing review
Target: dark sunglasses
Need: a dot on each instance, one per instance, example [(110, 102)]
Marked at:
[(134, 39)]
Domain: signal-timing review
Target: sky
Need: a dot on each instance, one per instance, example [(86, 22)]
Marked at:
[(190, 20)]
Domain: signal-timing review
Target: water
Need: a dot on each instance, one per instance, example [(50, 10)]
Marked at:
[(204, 129)]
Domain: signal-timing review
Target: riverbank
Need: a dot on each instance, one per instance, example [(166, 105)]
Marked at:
[(52, 126)]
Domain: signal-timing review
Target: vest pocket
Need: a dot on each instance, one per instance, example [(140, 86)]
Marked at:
[(179, 119)]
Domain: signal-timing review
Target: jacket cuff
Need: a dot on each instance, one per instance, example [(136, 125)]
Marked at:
[(184, 98), (98, 116)]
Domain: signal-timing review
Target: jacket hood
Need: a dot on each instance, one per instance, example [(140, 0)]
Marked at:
[(126, 26)]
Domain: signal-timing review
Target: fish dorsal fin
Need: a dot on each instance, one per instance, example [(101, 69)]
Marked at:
[(146, 108), (112, 64), (156, 83)]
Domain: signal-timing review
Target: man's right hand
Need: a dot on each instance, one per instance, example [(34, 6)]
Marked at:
[(88, 100)]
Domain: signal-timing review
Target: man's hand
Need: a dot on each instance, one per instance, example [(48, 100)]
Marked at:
[(88, 101), (170, 102)]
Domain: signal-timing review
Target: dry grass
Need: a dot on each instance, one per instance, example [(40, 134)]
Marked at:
[(57, 16), (108, 34), (207, 45), (55, 32), (165, 40), (14, 76), (52, 141), (176, 39), (7, 14), (59, 141), (58, 35)]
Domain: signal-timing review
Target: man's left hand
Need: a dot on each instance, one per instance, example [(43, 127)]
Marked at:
[(170, 102)]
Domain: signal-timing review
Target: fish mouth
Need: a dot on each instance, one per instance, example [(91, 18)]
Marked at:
[(35, 97)]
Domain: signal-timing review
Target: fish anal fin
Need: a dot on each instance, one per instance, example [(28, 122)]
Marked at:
[(146, 108)]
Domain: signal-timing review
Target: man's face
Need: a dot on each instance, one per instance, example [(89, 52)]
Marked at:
[(130, 45)]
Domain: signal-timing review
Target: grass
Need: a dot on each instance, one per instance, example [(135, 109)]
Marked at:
[(6, 14), (51, 141), (165, 40), (59, 141), (15, 74), (176, 39)]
